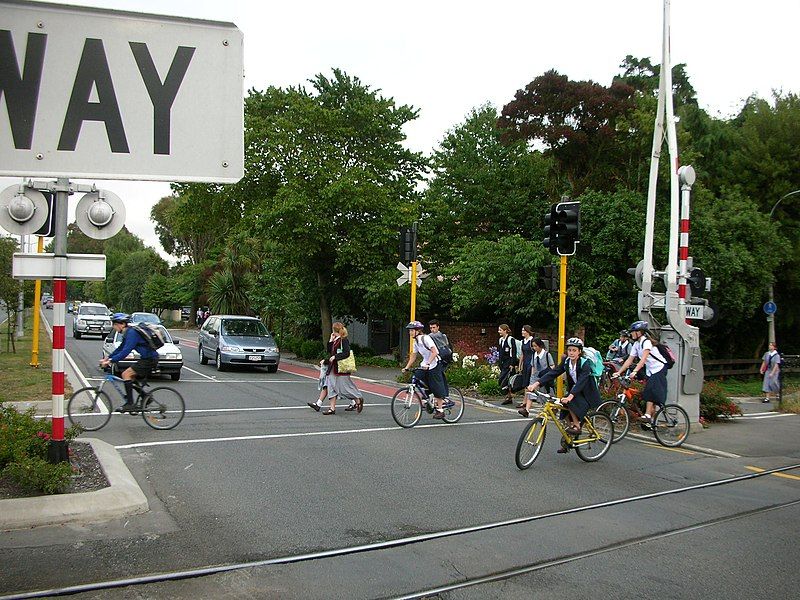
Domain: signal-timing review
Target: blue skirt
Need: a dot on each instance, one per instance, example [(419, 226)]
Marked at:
[(655, 390)]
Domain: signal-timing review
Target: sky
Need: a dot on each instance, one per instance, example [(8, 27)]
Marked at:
[(446, 57)]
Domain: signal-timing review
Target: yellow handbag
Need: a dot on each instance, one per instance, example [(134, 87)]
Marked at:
[(347, 365)]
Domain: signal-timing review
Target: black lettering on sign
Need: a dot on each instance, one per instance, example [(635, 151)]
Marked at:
[(21, 91), (162, 95), (93, 71)]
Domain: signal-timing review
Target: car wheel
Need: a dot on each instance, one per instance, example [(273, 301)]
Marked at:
[(272, 368), (76, 335), (175, 376), (220, 364), (203, 359)]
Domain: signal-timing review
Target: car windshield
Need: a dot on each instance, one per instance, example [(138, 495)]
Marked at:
[(145, 318), (161, 329), (94, 310), (244, 327)]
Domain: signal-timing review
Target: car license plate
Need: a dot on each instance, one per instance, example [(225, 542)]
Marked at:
[(254, 358)]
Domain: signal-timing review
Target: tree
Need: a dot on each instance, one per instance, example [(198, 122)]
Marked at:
[(9, 289), (328, 180), (576, 122), (126, 283)]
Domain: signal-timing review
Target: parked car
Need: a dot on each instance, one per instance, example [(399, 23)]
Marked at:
[(49, 303), (145, 317), (185, 310), (91, 319), (46, 297), (170, 358), (237, 340)]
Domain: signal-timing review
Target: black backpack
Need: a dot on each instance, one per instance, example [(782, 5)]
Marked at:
[(445, 353), (150, 334), (666, 352)]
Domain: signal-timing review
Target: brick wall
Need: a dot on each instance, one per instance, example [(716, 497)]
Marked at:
[(480, 336)]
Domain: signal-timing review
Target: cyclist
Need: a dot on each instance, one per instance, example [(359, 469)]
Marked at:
[(141, 369), (650, 359), (431, 366), (440, 339), (583, 392)]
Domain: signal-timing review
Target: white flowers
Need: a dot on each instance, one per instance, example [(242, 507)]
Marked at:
[(469, 361), (495, 370)]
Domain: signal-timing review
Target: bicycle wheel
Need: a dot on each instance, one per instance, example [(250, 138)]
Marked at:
[(603, 434), (619, 417), (163, 408), (454, 406), (671, 425), (89, 409), (406, 408), (530, 443)]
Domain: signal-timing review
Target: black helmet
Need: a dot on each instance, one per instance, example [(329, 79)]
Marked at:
[(624, 333)]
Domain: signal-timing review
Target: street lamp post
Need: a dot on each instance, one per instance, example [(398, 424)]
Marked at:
[(771, 318)]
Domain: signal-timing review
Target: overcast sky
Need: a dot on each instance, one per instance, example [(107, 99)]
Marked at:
[(445, 57)]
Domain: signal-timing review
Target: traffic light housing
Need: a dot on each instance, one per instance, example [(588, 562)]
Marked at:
[(550, 277), (562, 228), (408, 245)]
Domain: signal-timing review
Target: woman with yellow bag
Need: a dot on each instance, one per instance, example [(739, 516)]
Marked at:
[(341, 363)]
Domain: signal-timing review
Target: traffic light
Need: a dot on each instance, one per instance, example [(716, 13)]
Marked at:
[(549, 277), (568, 227), (49, 227), (408, 244), (549, 241)]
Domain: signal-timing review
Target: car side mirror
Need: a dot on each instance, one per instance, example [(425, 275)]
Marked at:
[(110, 339), (176, 342)]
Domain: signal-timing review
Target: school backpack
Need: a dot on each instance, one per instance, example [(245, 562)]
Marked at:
[(445, 353), (667, 353), (595, 361), (151, 335)]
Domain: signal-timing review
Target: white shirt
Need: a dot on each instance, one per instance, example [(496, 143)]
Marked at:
[(423, 344), (655, 362)]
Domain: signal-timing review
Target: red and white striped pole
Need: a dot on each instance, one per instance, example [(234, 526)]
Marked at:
[(57, 452), (687, 177)]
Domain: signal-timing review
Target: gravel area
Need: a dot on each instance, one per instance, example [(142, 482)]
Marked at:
[(88, 475)]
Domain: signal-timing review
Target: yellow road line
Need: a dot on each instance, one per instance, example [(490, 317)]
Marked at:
[(785, 475), (679, 450)]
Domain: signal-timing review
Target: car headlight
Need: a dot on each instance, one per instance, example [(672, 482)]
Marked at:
[(172, 356), (81, 322), (272, 349), (230, 348)]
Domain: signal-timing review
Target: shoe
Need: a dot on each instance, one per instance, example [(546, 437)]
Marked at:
[(448, 403), (439, 414), (359, 405), (506, 401), (765, 401), (520, 405), (350, 408), (645, 419), (127, 407), (573, 431), (329, 412), (313, 405), (564, 447), (523, 412)]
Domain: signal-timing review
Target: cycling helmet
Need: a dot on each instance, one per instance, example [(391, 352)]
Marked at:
[(624, 333), (415, 325), (575, 341), (120, 318), (638, 326)]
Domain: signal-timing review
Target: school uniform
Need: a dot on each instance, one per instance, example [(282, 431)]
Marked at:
[(580, 383)]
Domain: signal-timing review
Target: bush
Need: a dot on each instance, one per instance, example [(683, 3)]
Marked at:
[(714, 403), (24, 442), (312, 349), (490, 387), (360, 350)]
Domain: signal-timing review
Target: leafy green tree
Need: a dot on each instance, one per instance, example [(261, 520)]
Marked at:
[(9, 289), (125, 284), (328, 179)]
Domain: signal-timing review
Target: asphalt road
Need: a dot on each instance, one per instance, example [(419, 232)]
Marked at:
[(252, 474)]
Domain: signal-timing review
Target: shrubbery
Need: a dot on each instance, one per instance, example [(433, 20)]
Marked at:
[(24, 441), (714, 403), (311, 349)]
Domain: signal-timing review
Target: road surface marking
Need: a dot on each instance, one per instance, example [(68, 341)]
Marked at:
[(659, 446), (785, 475)]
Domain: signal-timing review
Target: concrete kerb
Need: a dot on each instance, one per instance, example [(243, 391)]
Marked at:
[(123, 497)]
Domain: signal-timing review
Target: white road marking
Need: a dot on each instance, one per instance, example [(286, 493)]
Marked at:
[(198, 373), (276, 436), (764, 416)]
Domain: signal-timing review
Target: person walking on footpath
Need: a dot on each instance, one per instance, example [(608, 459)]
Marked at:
[(526, 356), (507, 346), (771, 370), (340, 384)]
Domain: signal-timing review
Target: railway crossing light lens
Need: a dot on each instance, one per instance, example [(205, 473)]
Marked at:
[(100, 213), (21, 208)]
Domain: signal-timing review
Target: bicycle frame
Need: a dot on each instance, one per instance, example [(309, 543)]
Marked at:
[(548, 413), (115, 381)]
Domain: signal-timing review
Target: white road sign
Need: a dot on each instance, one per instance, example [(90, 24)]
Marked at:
[(83, 267), (102, 94), (406, 274)]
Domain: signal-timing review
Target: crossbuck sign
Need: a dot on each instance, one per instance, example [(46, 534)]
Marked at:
[(101, 94)]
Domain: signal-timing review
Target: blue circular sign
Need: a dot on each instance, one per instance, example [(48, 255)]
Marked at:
[(770, 307)]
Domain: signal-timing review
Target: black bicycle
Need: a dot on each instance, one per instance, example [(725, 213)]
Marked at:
[(90, 408)]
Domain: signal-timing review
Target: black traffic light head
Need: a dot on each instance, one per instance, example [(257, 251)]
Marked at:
[(567, 217), (549, 241), (408, 245), (549, 277)]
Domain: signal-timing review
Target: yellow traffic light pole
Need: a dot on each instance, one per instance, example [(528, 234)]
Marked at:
[(562, 320), (413, 283)]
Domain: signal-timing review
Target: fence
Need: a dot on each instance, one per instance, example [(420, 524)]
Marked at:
[(747, 366)]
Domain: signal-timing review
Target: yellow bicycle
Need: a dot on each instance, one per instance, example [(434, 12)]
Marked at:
[(590, 444)]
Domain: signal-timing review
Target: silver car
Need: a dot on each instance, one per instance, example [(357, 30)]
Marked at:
[(91, 319), (237, 340), (170, 358)]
